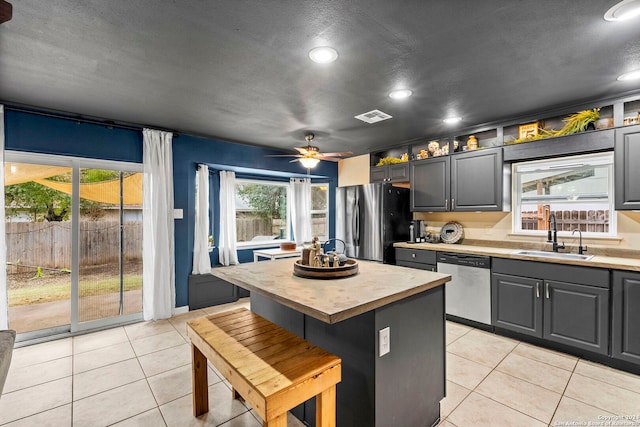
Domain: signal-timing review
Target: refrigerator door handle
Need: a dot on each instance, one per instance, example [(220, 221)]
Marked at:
[(356, 224)]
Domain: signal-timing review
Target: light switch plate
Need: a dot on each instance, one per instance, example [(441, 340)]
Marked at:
[(384, 341), (178, 214)]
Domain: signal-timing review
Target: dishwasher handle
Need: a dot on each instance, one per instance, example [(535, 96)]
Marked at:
[(477, 261)]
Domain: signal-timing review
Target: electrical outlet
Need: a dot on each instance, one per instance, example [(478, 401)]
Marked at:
[(384, 341)]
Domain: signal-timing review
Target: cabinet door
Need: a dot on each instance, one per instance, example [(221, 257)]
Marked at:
[(627, 168), (577, 315), (476, 180), (626, 316), (398, 172), (378, 174), (430, 184), (516, 304)]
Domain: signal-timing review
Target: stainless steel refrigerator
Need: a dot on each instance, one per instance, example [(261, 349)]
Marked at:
[(370, 218)]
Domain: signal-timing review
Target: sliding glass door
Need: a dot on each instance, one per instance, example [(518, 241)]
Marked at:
[(74, 243), (110, 244), (38, 240)]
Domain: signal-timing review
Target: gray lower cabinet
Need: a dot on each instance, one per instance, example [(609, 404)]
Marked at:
[(626, 316), (515, 303), (206, 290), (416, 258), (577, 315), (627, 168), (560, 303)]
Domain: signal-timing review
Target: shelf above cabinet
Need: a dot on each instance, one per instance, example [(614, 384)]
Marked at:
[(579, 143)]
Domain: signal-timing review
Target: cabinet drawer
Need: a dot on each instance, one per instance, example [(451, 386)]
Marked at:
[(416, 255), (418, 265)]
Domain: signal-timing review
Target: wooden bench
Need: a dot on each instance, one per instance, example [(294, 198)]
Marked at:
[(271, 368)]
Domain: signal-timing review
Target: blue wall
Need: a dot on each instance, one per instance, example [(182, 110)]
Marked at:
[(51, 135)]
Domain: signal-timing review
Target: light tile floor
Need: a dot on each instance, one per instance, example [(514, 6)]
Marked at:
[(140, 375)]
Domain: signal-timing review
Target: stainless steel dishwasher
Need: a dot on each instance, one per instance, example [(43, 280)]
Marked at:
[(468, 294)]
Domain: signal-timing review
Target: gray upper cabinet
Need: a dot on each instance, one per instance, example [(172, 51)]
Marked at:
[(627, 168), (470, 181), (398, 172), (626, 316), (560, 303), (476, 181), (430, 184)]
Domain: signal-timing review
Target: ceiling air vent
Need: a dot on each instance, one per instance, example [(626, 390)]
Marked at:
[(373, 116)]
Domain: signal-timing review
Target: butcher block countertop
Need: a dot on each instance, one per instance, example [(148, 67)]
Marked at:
[(598, 261), (334, 300)]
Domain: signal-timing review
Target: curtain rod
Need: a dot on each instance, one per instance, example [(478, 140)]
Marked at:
[(107, 124)]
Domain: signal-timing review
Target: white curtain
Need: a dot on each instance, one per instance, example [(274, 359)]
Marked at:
[(201, 260), (227, 246), (158, 280), (4, 320), (300, 210)]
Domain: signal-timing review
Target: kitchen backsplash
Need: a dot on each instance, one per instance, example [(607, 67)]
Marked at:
[(497, 227)]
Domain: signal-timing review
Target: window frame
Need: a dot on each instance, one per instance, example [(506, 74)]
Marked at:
[(267, 243), (601, 158), (325, 211)]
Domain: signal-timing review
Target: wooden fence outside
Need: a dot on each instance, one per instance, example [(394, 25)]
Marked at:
[(48, 244), (249, 227), (587, 220)]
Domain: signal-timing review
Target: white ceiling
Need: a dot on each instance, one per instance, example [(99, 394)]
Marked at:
[(238, 70)]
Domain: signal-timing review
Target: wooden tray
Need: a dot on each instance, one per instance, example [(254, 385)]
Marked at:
[(350, 268)]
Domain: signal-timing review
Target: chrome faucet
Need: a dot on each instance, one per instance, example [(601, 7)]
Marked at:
[(556, 246), (581, 249)]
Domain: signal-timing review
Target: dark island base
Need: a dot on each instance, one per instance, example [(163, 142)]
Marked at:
[(401, 388)]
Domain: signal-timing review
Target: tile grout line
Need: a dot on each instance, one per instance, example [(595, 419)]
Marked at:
[(487, 397)]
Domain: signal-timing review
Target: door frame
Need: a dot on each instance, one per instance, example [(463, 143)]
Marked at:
[(75, 163)]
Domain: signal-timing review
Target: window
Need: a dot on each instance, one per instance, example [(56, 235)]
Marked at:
[(261, 211), (320, 211), (577, 189), (262, 215)]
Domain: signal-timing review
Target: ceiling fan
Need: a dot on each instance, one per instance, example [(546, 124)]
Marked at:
[(310, 155)]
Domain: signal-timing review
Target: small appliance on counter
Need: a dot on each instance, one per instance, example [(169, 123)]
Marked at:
[(416, 231)]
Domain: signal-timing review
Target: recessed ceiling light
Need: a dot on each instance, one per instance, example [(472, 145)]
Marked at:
[(451, 120), (323, 54), (624, 10), (400, 93), (631, 75)]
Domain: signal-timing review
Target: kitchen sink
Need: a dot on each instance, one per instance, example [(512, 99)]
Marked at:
[(556, 255)]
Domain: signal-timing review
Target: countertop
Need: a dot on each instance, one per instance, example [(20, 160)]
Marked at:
[(331, 301), (599, 261)]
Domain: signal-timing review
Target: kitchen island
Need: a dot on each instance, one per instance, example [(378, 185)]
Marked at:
[(345, 316)]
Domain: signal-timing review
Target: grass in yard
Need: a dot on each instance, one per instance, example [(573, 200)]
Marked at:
[(62, 291)]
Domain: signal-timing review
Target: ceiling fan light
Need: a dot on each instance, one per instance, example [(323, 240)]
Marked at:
[(622, 11), (400, 93), (631, 75), (323, 54), (452, 120), (309, 162)]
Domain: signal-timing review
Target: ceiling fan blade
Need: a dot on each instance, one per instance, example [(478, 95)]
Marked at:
[(337, 154), (295, 160), (302, 150), (283, 155), (331, 159)]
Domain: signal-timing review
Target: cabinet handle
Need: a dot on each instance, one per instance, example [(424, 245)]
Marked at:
[(537, 289), (413, 255), (546, 286), (453, 204), (446, 204)]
